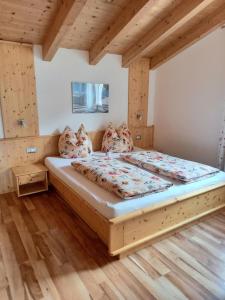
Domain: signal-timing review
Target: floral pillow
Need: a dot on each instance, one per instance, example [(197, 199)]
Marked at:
[(125, 134), (82, 135), (72, 145), (117, 141)]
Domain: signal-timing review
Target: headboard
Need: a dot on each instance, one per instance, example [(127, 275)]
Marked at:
[(13, 152)]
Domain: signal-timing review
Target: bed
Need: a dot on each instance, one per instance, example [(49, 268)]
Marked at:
[(125, 225)]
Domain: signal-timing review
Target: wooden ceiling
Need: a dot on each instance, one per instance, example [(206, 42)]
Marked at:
[(157, 29)]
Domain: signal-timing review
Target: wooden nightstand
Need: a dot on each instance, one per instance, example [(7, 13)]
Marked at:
[(30, 179)]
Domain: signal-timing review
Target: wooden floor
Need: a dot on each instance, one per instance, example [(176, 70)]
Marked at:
[(48, 253)]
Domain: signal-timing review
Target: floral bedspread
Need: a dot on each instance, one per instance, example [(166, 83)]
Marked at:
[(117, 176), (173, 167)]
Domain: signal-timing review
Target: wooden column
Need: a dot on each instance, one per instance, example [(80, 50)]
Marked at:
[(18, 90), (138, 103)]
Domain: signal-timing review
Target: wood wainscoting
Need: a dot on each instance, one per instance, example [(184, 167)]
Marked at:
[(146, 134), (13, 152)]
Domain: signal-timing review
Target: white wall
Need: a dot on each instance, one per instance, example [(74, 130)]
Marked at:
[(53, 80), (189, 100)]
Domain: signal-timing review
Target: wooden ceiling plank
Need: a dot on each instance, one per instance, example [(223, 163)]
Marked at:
[(128, 14), (64, 20), (200, 30), (176, 19)]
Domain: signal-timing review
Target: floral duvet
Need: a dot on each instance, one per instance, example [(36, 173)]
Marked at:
[(173, 167), (117, 176)]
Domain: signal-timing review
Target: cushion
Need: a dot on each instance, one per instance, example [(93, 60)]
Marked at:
[(70, 146), (117, 141), (125, 134), (82, 135)]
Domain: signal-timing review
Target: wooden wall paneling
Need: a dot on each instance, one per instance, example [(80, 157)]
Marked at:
[(138, 92), (138, 103), (146, 133), (18, 90), (96, 138), (13, 153)]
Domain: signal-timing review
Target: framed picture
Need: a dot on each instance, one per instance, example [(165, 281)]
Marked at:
[(90, 97)]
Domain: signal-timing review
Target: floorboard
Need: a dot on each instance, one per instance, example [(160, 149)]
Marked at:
[(47, 252)]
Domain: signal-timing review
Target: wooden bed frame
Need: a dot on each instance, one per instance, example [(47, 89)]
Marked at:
[(129, 232)]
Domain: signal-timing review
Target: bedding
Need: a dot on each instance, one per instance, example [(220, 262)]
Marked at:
[(169, 166), (116, 176), (109, 204)]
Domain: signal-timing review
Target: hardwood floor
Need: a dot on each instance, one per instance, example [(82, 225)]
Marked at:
[(46, 252)]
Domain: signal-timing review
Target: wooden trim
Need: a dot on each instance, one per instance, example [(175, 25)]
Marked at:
[(128, 15), (197, 32), (176, 19), (172, 201), (16, 43), (125, 233), (64, 20), (167, 234)]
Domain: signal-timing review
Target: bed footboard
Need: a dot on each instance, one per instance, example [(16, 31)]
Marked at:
[(129, 232)]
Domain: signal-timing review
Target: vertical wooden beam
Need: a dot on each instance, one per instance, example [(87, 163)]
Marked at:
[(138, 93), (64, 20), (138, 103), (18, 90)]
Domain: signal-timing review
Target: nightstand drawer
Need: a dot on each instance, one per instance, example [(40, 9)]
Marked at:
[(31, 178)]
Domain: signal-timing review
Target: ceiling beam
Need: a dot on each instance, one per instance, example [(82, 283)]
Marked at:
[(64, 20), (200, 30), (183, 13), (131, 11)]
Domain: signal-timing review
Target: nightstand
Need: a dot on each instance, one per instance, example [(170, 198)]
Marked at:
[(30, 179)]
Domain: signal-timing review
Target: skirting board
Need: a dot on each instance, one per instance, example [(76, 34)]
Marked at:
[(127, 232)]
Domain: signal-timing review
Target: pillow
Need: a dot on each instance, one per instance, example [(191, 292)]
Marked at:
[(114, 141), (70, 146), (82, 135), (125, 134)]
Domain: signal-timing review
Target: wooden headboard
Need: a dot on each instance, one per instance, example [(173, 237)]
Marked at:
[(13, 152)]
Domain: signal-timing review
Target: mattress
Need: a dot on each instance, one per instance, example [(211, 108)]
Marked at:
[(111, 206)]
